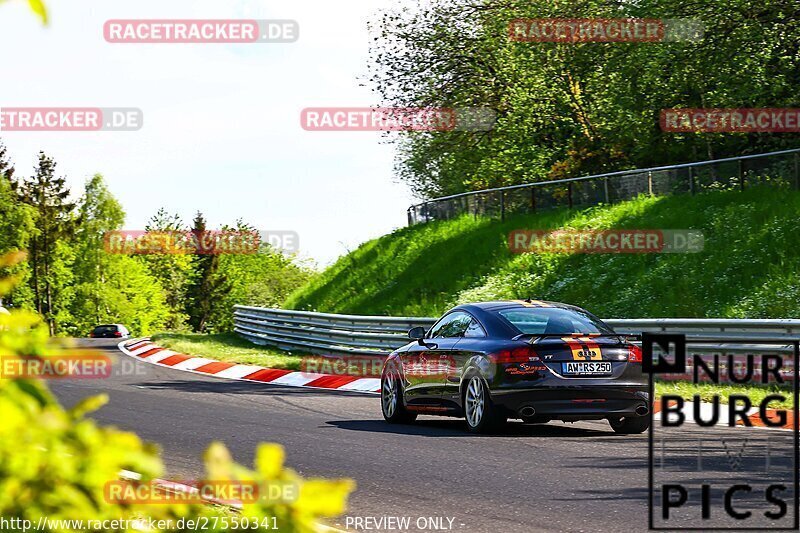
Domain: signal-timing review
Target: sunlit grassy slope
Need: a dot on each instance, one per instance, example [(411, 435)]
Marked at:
[(750, 266), (227, 347)]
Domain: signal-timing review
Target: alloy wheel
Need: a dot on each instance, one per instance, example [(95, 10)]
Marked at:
[(475, 400), (389, 395)]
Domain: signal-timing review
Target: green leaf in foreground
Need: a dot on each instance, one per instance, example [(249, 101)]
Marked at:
[(39, 8)]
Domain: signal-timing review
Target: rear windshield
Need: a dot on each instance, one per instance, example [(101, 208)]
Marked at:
[(105, 329), (553, 320)]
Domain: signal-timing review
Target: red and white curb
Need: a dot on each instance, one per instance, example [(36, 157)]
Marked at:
[(147, 351)]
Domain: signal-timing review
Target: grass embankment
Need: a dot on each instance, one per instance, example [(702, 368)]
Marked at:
[(228, 347), (750, 267)]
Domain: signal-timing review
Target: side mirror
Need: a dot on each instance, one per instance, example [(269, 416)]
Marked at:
[(417, 333)]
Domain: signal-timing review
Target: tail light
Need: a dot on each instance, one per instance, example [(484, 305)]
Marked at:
[(634, 354), (118, 334), (517, 355), (91, 334)]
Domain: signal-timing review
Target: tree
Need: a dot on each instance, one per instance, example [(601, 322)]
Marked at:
[(100, 213), (263, 279), (110, 287), (174, 271), (16, 228), (55, 224), (6, 167), (208, 286)]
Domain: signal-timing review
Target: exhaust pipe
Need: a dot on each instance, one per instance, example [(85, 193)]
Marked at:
[(642, 410), (527, 411)]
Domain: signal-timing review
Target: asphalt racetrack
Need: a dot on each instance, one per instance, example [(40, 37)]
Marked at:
[(552, 477)]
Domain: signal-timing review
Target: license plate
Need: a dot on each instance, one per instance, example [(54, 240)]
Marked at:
[(588, 368)]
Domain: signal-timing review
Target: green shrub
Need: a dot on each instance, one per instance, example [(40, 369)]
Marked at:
[(56, 463)]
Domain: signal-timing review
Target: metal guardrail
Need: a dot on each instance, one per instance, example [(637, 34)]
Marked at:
[(324, 333), (781, 167)]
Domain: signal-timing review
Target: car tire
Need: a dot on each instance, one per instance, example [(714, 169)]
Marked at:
[(480, 412), (392, 406), (630, 425)]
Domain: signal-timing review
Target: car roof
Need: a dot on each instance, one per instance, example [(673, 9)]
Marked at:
[(512, 304), (487, 313)]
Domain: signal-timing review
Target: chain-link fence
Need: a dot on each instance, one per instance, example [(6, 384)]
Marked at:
[(774, 168)]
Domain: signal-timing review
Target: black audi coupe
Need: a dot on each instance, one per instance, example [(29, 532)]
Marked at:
[(532, 360)]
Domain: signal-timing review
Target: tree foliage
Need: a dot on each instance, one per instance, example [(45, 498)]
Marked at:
[(174, 272), (109, 287), (72, 278), (55, 225), (16, 228), (208, 285), (575, 109), (265, 279)]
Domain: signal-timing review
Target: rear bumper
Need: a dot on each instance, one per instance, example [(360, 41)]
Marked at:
[(574, 403)]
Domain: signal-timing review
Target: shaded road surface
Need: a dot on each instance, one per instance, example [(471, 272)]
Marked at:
[(576, 477)]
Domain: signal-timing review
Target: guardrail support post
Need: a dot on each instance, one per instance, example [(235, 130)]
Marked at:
[(605, 190), (796, 170), (650, 183), (569, 194), (741, 175), (533, 199), (503, 206), (691, 180)]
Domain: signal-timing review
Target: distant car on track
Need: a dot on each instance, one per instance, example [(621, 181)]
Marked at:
[(110, 331), (532, 360)]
